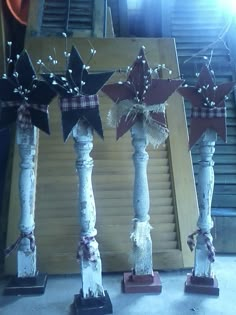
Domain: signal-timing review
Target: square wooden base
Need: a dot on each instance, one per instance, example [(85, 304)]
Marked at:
[(203, 285), (141, 284), (26, 286), (92, 306)]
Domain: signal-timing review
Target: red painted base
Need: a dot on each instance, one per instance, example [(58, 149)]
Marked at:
[(141, 284), (203, 285)]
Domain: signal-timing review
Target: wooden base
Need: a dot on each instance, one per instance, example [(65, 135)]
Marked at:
[(26, 286), (141, 284), (203, 285), (92, 306)]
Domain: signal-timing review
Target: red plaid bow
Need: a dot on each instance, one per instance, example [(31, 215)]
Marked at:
[(86, 250), (16, 244), (23, 113), (207, 240)]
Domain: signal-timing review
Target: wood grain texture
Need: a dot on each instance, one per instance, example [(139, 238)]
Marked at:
[(173, 206)]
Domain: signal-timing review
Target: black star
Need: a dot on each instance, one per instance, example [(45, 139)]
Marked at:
[(77, 89), (24, 98)]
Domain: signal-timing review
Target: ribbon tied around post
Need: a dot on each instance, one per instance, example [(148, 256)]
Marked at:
[(208, 242), (16, 244)]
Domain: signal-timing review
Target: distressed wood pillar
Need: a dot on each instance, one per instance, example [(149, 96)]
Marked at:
[(203, 280), (28, 280), (26, 254), (205, 188), (142, 278), (92, 295), (141, 238)]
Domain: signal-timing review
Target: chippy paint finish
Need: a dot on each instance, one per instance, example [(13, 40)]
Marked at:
[(141, 238), (26, 257), (91, 269), (205, 187)]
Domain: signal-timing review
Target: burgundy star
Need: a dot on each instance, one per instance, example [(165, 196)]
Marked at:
[(208, 105), (141, 89)]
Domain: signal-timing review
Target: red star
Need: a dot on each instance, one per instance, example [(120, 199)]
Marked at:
[(208, 105), (140, 88)]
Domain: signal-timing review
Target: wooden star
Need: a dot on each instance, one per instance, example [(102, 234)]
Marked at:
[(24, 98), (74, 87), (141, 88), (208, 105)]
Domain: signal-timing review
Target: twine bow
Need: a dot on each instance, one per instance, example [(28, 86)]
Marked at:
[(16, 244), (87, 248), (210, 248), (156, 131)]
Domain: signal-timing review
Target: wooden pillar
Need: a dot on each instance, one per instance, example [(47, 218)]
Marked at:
[(26, 254), (28, 280), (141, 238), (92, 297), (142, 278), (203, 280)]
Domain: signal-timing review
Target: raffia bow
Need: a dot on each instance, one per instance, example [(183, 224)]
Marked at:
[(155, 131)]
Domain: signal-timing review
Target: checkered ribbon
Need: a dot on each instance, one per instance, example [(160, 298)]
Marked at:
[(86, 249), (79, 102), (207, 112), (16, 244), (23, 113), (208, 242)]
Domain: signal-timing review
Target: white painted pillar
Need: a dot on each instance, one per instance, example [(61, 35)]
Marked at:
[(88, 253), (26, 255), (141, 238), (205, 187)]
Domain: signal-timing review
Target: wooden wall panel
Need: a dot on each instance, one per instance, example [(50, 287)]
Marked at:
[(173, 207)]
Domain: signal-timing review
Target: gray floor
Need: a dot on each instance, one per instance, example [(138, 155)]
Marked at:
[(172, 301)]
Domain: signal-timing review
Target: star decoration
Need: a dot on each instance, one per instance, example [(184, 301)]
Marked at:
[(24, 98), (78, 90), (208, 105), (141, 96)]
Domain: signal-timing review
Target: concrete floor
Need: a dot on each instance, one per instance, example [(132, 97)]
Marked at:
[(172, 301)]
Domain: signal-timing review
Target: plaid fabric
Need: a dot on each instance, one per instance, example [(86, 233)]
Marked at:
[(85, 249), (210, 247), (207, 112), (79, 102), (16, 244), (23, 116), (23, 113), (208, 242)]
